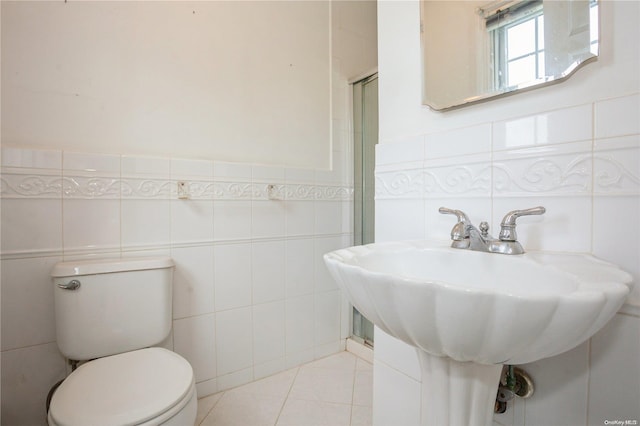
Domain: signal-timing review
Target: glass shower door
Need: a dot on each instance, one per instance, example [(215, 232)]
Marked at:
[(365, 124)]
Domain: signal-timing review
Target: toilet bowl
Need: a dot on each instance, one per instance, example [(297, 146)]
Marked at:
[(148, 387), (110, 316)]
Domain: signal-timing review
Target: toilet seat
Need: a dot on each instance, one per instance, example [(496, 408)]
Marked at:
[(147, 386)]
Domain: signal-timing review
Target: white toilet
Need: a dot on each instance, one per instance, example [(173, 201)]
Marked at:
[(111, 312)]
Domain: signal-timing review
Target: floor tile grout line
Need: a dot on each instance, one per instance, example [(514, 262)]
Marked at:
[(286, 398), (212, 407), (353, 389)]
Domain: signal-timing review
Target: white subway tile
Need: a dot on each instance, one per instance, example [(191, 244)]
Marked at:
[(560, 389), (327, 317), (232, 266), (267, 219), (231, 220), (399, 220), (31, 225), (616, 235), (91, 224), (300, 217), (101, 164), (453, 143), (400, 152), (614, 383), (146, 166), (299, 327), (31, 158), (195, 339), (396, 397), (237, 172), (267, 270), (260, 173), (234, 341), (269, 332), (617, 117), (299, 267), (294, 175), (328, 217), (185, 169), (27, 375), (191, 221), (27, 302), (323, 281), (552, 127), (193, 292), (146, 223)]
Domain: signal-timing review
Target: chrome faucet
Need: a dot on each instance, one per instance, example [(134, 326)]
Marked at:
[(466, 236)]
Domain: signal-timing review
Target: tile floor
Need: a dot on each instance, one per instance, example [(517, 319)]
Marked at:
[(333, 391)]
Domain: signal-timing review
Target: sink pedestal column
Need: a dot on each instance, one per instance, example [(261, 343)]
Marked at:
[(457, 393)]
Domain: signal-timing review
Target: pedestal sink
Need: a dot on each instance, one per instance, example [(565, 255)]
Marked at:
[(470, 312)]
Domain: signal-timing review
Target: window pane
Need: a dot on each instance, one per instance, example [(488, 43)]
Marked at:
[(521, 39), (522, 70), (593, 28), (541, 71), (593, 23), (541, 32)]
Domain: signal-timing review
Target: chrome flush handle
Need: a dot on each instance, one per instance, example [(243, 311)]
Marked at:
[(71, 285)]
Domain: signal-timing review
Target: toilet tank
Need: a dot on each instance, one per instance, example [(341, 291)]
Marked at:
[(105, 307)]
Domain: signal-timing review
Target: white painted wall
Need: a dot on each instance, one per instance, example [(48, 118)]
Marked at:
[(572, 147), (231, 80)]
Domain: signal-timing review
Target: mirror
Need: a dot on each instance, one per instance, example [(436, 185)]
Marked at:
[(476, 50)]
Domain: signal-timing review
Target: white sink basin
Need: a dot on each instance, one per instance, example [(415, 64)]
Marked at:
[(480, 307)]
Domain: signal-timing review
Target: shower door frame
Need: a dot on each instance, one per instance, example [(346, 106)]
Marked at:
[(365, 137)]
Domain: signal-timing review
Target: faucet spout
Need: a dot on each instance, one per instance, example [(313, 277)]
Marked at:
[(482, 241), (478, 241)]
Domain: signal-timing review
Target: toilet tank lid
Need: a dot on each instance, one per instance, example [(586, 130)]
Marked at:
[(105, 266)]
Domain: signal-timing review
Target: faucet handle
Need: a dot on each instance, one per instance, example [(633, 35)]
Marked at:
[(459, 231), (462, 216), (508, 225)]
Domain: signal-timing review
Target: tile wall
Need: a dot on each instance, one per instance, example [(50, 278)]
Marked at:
[(251, 294), (583, 164)]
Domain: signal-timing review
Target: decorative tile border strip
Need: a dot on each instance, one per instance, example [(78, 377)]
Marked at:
[(543, 176), (16, 185), (613, 177), (534, 176), (435, 182), (27, 186)]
